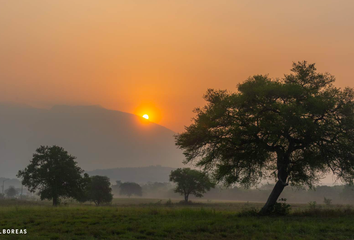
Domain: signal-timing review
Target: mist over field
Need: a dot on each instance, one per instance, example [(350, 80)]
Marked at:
[(177, 119)]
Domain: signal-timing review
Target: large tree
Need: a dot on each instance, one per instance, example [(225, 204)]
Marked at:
[(297, 128), (99, 190), (190, 181), (54, 173)]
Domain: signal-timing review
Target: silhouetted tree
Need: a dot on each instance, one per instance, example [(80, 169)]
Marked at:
[(116, 188), (130, 188), (11, 192), (99, 190), (54, 174), (191, 182), (296, 128)]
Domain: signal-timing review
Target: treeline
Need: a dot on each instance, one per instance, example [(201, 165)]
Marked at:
[(53, 174), (341, 194)]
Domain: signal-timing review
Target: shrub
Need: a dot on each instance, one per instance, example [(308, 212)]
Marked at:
[(281, 208), (327, 202), (169, 203), (312, 205)]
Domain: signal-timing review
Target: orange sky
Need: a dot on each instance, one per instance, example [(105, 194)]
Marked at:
[(160, 56)]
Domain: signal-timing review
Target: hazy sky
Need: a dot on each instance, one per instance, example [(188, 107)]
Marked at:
[(160, 56)]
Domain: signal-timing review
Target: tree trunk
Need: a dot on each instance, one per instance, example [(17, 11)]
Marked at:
[(186, 198), (273, 197), (282, 166), (55, 201)]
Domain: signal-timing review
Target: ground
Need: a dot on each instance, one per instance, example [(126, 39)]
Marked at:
[(154, 219)]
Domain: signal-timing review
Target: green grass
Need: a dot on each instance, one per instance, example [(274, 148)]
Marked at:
[(151, 219)]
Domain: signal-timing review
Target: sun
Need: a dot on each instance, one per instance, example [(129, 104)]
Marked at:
[(146, 116)]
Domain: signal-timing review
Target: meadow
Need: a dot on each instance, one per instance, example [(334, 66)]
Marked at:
[(139, 218)]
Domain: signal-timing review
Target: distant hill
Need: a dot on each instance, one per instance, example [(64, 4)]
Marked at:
[(139, 174), (99, 138)]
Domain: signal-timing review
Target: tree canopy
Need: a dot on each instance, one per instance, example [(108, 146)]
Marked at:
[(296, 129), (191, 181), (98, 190), (54, 174), (130, 188), (11, 192)]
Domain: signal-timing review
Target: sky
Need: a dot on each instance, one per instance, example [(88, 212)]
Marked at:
[(159, 57)]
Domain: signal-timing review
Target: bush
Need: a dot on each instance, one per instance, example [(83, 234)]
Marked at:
[(327, 202), (169, 203), (312, 205), (281, 208)]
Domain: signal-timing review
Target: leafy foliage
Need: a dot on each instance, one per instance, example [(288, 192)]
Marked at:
[(296, 128), (281, 208), (312, 205), (191, 181), (99, 190), (54, 173)]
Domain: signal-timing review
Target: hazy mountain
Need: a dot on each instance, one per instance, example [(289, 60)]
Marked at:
[(98, 137), (139, 174)]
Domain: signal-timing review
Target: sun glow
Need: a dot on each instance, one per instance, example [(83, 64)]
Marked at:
[(148, 113)]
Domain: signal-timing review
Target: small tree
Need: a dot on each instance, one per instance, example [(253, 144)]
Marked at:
[(130, 188), (54, 174), (99, 190), (11, 192), (191, 182)]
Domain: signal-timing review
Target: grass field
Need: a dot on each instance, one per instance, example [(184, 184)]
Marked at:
[(153, 219)]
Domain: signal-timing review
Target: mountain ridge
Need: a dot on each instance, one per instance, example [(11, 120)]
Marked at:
[(98, 137)]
